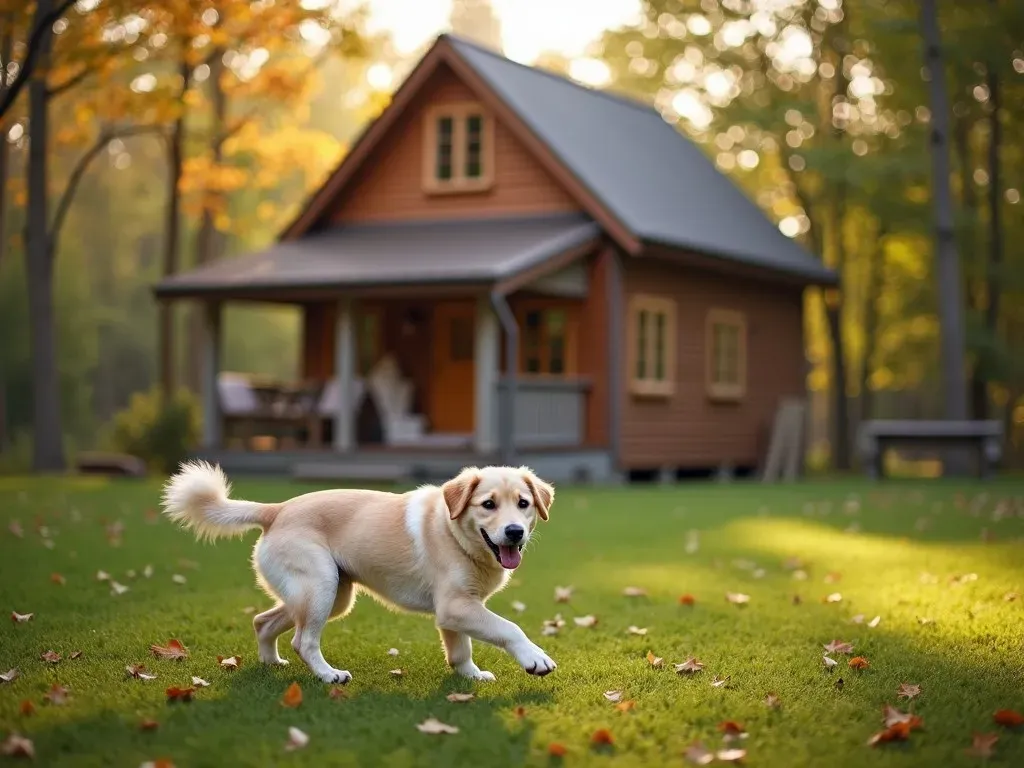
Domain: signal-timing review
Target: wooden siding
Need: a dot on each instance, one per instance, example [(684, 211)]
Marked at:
[(688, 429), (318, 321), (594, 347), (390, 186)]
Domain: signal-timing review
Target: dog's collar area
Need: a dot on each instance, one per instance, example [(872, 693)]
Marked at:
[(494, 547)]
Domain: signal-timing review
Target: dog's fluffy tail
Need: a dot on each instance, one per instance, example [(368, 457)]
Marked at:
[(198, 497)]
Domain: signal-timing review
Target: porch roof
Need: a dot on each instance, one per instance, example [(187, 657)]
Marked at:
[(467, 251)]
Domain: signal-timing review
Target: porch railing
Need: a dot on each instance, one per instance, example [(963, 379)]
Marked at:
[(548, 412)]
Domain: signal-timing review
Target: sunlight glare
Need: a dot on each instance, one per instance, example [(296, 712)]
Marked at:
[(593, 72), (688, 105)]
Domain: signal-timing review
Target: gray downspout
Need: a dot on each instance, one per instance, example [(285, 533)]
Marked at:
[(507, 410), (616, 355)]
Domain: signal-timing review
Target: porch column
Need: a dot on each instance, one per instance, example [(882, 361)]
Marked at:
[(344, 372), (486, 354), (210, 356)]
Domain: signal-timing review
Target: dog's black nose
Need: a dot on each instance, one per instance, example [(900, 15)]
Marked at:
[(514, 533)]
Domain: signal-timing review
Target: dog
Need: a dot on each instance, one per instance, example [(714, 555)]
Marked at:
[(441, 550)]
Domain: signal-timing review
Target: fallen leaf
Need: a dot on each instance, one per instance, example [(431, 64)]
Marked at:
[(21, 618), (908, 691), (731, 729), (296, 739), (983, 744), (27, 708), (58, 579), (148, 725), (557, 750), (899, 731), (51, 657), (148, 573), (925, 620), (698, 754), (859, 662), (10, 676), (602, 736), (57, 695), (634, 630), (586, 621), (519, 712), (833, 577), (891, 716), (737, 598), (198, 682), (838, 646), (460, 698), (434, 726), (173, 650), (730, 755), (231, 662), (634, 592), (76, 654), (874, 622), (1008, 718), (138, 671), (835, 597), (102, 576), (839, 684), (772, 701), (654, 661), (160, 763), (1009, 597), (613, 696), (797, 599), (518, 606), (563, 594), (687, 599), (116, 588), (692, 542), (337, 692), (393, 651), (721, 682), (177, 578), (857, 619), (626, 706), (180, 694), (16, 529), (829, 663), (396, 672), (551, 626), (688, 667), (292, 696), (18, 746)]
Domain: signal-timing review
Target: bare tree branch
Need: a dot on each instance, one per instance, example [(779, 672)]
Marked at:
[(78, 172), (41, 27), (70, 82)]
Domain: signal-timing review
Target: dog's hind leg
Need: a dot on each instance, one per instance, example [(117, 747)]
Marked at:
[(269, 625), (458, 651)]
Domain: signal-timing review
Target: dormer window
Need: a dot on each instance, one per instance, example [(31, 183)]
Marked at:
[(458, 149)]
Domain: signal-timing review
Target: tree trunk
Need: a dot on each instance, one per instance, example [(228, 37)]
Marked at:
[(5, 153), (172, 230), (947, 259), (876, 282), (995, 257), (48, 449)]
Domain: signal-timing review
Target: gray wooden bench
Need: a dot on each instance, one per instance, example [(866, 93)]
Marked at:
[(328, 471), (985, 437)]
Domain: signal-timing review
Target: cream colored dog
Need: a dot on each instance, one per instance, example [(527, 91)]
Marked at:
[(442, 550)]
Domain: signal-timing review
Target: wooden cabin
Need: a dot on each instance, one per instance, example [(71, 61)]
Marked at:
[(511, 267)]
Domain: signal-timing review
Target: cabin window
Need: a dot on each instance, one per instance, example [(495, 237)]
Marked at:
[(458, 149), (547, 341), (726, 354), (652, 344)]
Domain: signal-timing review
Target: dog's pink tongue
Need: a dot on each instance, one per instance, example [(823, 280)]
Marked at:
[(510, 557)]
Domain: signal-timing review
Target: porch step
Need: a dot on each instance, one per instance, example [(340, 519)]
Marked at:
[(331, 470)]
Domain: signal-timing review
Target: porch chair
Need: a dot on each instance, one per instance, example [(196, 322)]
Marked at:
[(393, 396)]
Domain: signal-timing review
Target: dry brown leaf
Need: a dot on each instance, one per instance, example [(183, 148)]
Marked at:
[(292, 696), (635, 630), (337, 692), (1008, 718), (396, 672), (173, 650), (460, 698), (721, 682), (434, 726), (296, 739), (737, 598), (983, 744), (563, 594), (859, 663), (159, 763), (838, 646), (772, 701), (687, 599), (16, 529), (626, 706), (148, 725), (198, 682), (138, 671), (832, 577), (634, 592), (180, 694), (519, 712), (835, 597), (51, 657), (230, 662), (655, 661), (797, 599), (732, 730), (896, 732), (602, 736), (733, 755), (21, 618), (76, 654), (27, 708), (689, 667), (613, 696), (891, 716), (925, 620), (57, 695), (10, 676), (557, 750), (1008, 597), (587, 621), (698, 754), (16, 745), (58, 579), (908, 691), (551, 626)]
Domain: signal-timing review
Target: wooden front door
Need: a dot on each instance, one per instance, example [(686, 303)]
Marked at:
[(452, 388)]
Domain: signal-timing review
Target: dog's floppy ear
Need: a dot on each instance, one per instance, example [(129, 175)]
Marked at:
[(459, 490), (543, 493)]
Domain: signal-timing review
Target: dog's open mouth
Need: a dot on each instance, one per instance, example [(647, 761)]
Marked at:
[(509, 555)]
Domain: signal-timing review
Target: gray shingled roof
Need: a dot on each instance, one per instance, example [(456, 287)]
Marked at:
[(655, 181), (464, 251)]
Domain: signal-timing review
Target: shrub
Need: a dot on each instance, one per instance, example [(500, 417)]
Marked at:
[(159, 431)]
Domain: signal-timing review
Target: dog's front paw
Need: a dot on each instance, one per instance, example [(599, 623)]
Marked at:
[(336, 676), (533, 659), (473, 672)]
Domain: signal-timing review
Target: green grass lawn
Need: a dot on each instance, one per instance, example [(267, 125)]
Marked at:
[(893, 554)]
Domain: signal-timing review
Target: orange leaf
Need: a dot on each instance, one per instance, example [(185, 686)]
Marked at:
[(687, 599), (27, 707), (56, 578), (602, 736), (337, 693), (731, 728), (180, 694), (173, 650), (57, 694), (293, 696), (51, 656), (859, 662), (1008, 718), (625, 706), (557, 750), (148, 725), (896, 732)]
